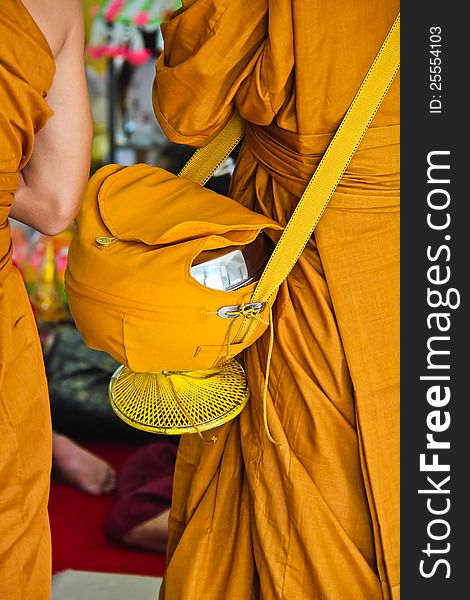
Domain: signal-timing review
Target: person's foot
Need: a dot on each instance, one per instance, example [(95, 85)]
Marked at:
[(151, 535), (81, 468)]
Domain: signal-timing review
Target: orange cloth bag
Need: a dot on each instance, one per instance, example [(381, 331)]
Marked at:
[(128, 283)]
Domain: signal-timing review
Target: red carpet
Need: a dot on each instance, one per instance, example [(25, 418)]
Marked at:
[(78, 541)]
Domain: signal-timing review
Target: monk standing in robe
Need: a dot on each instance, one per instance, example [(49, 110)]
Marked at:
[(45, 144), (318, 519)]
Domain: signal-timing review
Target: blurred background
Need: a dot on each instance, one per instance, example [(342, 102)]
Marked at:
[(111, 485)]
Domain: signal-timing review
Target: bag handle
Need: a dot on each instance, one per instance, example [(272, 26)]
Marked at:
[(327, 175)]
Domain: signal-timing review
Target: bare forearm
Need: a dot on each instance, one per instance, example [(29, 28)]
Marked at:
[(53, 182), (48, 205)]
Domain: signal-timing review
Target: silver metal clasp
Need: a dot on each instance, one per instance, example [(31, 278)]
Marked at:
[(231, 312)]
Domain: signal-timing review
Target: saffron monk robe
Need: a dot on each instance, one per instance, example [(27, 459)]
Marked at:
[(318, 519)]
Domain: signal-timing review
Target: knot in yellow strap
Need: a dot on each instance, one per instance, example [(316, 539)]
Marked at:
[(253, 312), (247, 310)]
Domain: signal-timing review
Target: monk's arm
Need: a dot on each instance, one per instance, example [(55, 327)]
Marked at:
[(52, 183), (210, 49)]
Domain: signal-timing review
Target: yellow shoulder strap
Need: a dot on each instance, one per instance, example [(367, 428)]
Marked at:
[(328, 173), (201, 166), (332, 166)]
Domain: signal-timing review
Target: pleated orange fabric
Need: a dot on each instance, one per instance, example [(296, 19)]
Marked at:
[(26, 72), (318, 519)]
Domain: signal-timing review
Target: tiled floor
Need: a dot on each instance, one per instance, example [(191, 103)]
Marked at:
[(84, 585)]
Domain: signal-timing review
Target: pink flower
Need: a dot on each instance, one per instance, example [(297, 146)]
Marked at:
[(113, 10), (138, 57), (96, 52), (114, 51), (141, 19)]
